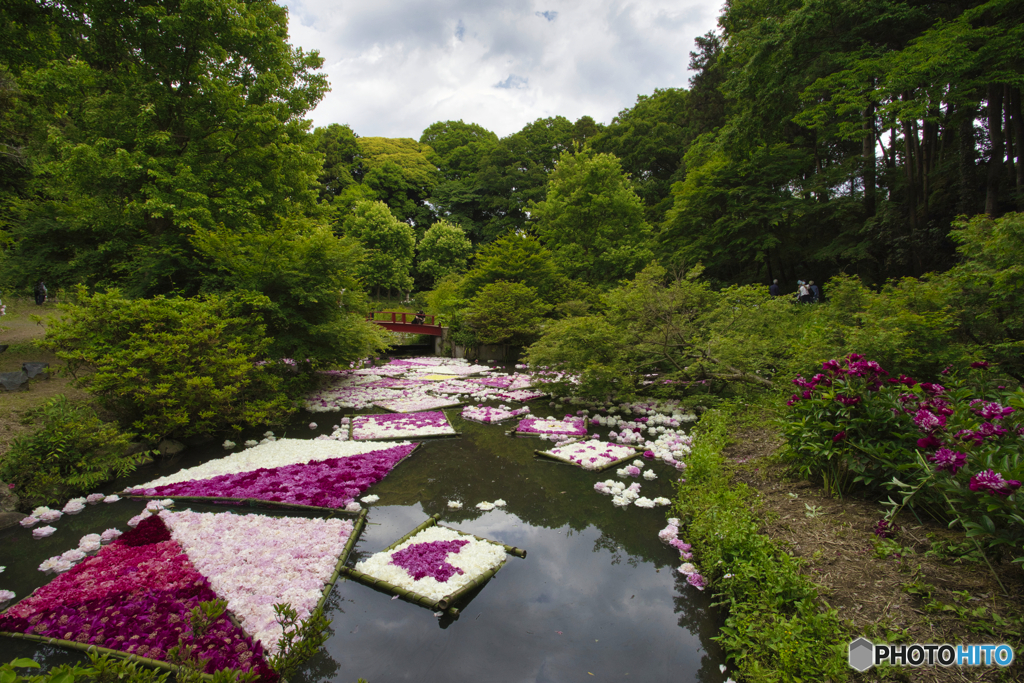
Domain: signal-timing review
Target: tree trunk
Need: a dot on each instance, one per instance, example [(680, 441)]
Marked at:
[(965, 203), (995, 160), (1018, 133), (868, 151)]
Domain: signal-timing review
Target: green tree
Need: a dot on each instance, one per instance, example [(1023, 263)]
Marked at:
[(458, 150), (401, 175), (506, 313), (153, 120), (515, 257), (389, 245), (444, 250), (304, 280), (592, 219)]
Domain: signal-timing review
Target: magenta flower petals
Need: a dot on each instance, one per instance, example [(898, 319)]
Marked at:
[(992, 482), (135, 599), (325, 483), (428, 559), (948, 461), (400, 425)]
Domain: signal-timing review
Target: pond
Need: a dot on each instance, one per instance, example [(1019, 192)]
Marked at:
[(596, 598)]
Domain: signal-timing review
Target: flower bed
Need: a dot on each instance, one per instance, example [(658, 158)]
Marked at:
[(568, 426), (134, 596), (520, 395), (434, 563), (331, 483), (508, 382), (255, 561), (416, 404), (269, 455), (401, 425), (591, 454), (492, 414)]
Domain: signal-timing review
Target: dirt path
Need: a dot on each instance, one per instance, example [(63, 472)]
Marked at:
[(918, 588), (19, 332)]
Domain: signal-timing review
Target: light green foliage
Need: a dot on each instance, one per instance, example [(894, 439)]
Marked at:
[(300, 280), (515, 257), (300, 640), (389, 245), (592, 219), (506, 313), (773, 611), (446, 302), (693, 337), (70, 454), (148, 121), (400, 173), (987, 289), (443, 250), (190, 665), (101, 669), (170, 366)]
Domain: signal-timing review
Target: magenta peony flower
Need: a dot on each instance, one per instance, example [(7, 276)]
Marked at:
[(993, 483), (928, 421), (886, 529), (697, 581), (948, 461), (839, 437)]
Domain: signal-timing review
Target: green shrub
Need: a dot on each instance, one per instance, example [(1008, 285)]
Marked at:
[(775, 629), (170, 366), (506, 313), (101, 669), (71, 453)]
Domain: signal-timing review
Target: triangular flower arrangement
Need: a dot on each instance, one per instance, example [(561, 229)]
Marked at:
[(134, 596), (294, 473)]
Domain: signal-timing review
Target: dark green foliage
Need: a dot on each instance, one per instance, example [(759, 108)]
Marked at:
[(145, 122), (300, 281), (170, 366), (71, 453), (300, 640), (101, 669)]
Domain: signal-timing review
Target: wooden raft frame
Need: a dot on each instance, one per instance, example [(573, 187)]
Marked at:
[(446, 603)]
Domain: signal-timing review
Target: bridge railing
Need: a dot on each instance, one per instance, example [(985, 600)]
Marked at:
[(402, 318)]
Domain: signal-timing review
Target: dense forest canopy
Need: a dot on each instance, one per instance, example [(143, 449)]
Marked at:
[(161, 147)]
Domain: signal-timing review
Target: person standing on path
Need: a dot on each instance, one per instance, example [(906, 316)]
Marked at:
[(773, 289), (40, 292), (815, 292)]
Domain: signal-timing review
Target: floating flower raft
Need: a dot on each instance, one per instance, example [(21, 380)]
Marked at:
[(417, 404), (308, 474), (433, 566), (590, 455), (133, 597), (550, 426), (401, 426)]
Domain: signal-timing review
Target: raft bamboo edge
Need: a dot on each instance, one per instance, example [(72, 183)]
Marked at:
[(431, 521), (237, 502), (403, 593)]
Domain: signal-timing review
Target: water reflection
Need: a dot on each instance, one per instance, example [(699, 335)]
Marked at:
[(596, 594)]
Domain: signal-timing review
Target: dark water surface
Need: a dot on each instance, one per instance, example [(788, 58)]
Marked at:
[(596, 598)]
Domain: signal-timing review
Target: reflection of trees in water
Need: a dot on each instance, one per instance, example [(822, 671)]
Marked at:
[(698, 616), (323, 667), (614, 548)]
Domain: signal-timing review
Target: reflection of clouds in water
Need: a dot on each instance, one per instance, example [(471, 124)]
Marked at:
[(614, 618)]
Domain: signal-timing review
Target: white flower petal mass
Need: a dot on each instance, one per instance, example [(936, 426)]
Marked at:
[(474, 558), (591, 454), (454, 505), (370, 499), (485, 506)]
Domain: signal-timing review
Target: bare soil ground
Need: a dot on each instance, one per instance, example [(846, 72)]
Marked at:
[(908, 591), (20, 332)]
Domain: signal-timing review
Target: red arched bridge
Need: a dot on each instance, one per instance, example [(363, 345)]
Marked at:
[(407, 323)]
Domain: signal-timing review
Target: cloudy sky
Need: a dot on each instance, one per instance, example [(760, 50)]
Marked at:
[(396, 66)]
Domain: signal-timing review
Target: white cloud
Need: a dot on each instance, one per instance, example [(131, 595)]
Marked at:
[(396, 66)]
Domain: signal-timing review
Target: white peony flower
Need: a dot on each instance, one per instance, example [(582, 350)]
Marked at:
[(370, 499), (454, 505)]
